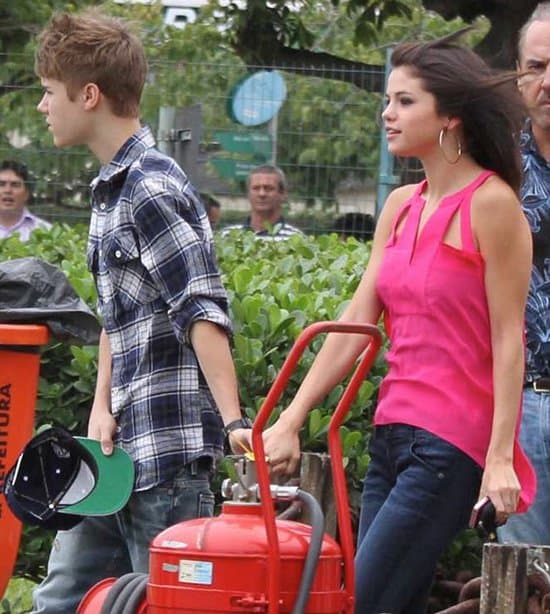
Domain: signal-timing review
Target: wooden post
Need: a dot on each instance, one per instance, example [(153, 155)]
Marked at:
[(505, 571)]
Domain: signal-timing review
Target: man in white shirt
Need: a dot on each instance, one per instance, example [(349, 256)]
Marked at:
[(14, 197), (267, 191)]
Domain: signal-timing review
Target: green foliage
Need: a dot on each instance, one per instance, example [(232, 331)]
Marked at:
[(18, 597), (276, 288)]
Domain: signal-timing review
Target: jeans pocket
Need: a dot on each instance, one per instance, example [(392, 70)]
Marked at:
[(434, 453)]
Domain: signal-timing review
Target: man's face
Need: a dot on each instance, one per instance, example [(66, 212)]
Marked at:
[(13, 194), (265, 195), (535, 86), (65, 117)]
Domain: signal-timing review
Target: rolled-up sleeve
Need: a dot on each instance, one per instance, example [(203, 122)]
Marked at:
[(178, 255)]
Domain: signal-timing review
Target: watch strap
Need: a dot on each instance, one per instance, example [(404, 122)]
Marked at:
[(241, 423)]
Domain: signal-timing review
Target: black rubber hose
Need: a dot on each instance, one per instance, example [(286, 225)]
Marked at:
[(115, 590), (130, 602), (314, 550)]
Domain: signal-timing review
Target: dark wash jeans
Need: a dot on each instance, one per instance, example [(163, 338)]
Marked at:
[(417, 496), (111, 546)]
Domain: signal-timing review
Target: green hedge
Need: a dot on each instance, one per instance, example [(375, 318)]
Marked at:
[(276, 288)]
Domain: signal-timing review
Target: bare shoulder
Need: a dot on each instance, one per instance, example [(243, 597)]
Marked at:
[(495, 198), (497, 214), (395, 199), (392, 205)]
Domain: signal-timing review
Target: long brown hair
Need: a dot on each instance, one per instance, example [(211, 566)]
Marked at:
[(465, 87)]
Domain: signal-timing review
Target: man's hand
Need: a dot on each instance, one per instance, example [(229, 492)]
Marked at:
[(102, 426), (240, 441)]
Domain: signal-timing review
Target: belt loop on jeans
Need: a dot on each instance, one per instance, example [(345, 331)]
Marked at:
[(540, 385)]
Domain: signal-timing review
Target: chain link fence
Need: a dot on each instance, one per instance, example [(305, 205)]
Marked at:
[(321, 126)]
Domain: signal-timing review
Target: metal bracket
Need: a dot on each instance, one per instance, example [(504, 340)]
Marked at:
[(177, 135), (536, 563)]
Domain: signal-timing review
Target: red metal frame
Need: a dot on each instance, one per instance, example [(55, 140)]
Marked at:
[(334, 446)]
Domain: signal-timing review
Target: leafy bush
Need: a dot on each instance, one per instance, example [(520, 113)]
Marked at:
[(276, 288)]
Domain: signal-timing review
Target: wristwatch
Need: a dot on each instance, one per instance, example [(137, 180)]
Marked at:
[(241, 423)]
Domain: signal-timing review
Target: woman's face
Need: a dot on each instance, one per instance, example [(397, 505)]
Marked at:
[(410, 117)]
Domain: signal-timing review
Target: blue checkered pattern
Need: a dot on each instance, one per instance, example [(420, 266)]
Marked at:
[(151, 253)]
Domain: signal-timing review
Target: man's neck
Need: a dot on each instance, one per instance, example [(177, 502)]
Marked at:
[(9, 219), (110, 137), (259, 223)]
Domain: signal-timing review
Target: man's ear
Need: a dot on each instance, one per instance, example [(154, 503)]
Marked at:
[(90, 95)]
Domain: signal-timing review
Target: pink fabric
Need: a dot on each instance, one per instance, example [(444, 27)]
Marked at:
[(440, 359)]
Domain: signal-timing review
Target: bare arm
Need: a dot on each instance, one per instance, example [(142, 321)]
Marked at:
[(101, 424), (338, 353), (505, 244), (211, 346)]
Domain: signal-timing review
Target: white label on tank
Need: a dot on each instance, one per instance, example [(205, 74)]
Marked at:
[(195, 572)]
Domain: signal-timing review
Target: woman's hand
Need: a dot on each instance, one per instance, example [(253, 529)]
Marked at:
[(282, 446), (501, 485)]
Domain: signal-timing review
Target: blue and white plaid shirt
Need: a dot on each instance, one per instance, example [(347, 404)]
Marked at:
[(151, 253)]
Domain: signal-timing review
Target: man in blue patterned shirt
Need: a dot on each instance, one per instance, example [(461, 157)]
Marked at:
[(166, 383), (534, 83)]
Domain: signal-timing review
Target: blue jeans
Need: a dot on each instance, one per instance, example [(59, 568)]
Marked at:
[(417, 496), (533, 527), (107, 546)]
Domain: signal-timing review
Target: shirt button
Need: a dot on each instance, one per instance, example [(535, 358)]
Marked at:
[(102, 206), (118, 253)]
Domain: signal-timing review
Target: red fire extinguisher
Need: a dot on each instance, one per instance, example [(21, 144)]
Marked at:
[(245, 559)]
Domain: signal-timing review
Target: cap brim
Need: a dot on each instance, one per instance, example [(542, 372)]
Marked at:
[(115, 476)]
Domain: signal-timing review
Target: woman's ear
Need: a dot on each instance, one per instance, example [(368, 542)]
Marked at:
[(454, 123)]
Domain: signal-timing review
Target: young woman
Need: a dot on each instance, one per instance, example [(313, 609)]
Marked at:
[(450, 268)]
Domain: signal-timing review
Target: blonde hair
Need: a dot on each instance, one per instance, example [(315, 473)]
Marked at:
[(92, 47)]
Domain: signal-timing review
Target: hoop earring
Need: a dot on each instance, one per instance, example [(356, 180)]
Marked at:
[(442, 134)]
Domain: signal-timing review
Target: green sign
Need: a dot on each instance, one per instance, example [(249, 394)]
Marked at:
[(258, 144), (232, 169)]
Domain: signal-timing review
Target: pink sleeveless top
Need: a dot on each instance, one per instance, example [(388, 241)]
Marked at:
[(440, 360)]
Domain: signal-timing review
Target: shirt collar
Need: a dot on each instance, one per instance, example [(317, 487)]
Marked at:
[(135, 146), (278, 224), (527, 140)]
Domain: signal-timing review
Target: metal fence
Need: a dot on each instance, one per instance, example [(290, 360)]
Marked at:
[(321, 126)]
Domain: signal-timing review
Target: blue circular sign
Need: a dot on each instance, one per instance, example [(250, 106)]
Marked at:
[(257, 98)]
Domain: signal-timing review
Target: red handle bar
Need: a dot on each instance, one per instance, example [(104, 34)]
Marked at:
[(334, 446)]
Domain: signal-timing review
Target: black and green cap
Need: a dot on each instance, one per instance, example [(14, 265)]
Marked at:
[(58, 479)]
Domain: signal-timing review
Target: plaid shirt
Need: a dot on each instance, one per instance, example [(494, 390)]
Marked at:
[(151, 253)]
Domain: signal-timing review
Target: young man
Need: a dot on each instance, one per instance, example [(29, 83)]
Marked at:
[(166, 383), (534, 83), (267, 191), (15, 218)]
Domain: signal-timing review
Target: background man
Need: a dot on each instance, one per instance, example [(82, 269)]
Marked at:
[(534, 59), (14, 197), (267, 191)]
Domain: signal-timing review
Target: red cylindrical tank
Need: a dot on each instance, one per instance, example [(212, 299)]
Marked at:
[(220, 564)]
